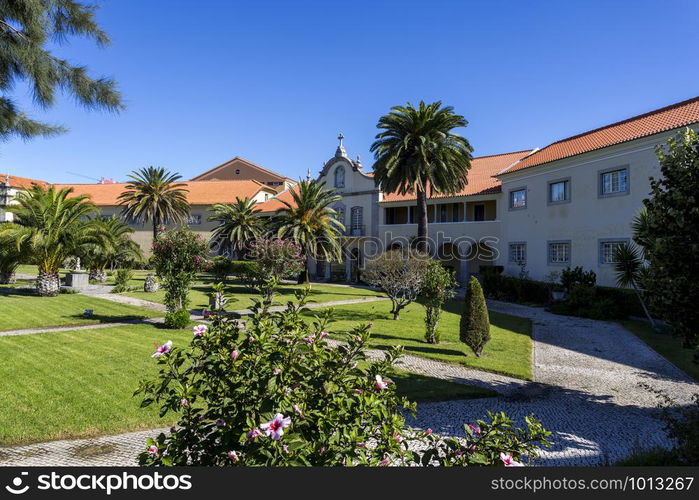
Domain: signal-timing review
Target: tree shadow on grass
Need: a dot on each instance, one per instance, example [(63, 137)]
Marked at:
[(105, 318)]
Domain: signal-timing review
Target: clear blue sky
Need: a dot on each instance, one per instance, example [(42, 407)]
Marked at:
[(274, 82)]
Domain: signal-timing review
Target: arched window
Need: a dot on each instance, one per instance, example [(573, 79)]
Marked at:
[(340, 177), (340, 209), (357, 221)]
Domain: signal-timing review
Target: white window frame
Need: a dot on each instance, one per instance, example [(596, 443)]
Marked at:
[(549, 246), (566, 191), (522, 245), (602, 253), (511, 198), (609, 171), (194, 220)]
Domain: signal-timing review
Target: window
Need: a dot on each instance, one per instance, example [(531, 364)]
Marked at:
[(559, 252), (607, 250), (518, 253), (340, 209), (194, 220), (518, 199), (412, 215), (478, 212), (356, 221), (559, 191), (340, 177), (237, 171), (443, 212), (614, 182), (455, 212)]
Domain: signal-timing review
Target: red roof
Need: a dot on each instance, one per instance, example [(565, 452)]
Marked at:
[(480, 177), (671, 117), (20, 182), (276, 203), (200, 192)]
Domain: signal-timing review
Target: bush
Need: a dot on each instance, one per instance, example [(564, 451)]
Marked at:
[(577, 277), (475, 322), (276, 394), (122, 277), (438, 287), (9, 261), (274, 260), (177, 320), (221, 267), (242, 268), (177, 257)]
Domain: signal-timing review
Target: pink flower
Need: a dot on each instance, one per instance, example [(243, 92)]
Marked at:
[(254, 433), (362, 444), (358, 391), (275, 427), (184, 402), (163, 349), (285, 447), (458, 452), (309, 339), (397, 437), (153, 450), (475, 429), (472, 448), (298, 411), (220, 422), (276, 371), (233, 456), (380, 384), (428, 432), (508, 461), (199, 330), (322, 335), (206, 313), (384, 462), (235, 354)]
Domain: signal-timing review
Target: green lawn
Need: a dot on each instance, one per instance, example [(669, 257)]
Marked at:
[(241, 297), (666, 345), (508, 352), (92, 392), (22, 309)]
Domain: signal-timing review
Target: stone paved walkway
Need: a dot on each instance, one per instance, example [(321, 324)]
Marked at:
[(586, 390)]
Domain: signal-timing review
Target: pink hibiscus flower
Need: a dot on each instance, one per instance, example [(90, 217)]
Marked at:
[(508, 461), (380, 383), (199, 330), (275, 427), (163, 349)]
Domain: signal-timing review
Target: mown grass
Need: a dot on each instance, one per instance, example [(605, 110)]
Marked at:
[(509, 351), (81, 383), (22, 309), (241, 297), (666, 345)]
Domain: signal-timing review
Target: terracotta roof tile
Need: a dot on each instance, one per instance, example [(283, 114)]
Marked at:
[(21, 182), (276, 203), (200, 192), (480, 177), (663, 119)]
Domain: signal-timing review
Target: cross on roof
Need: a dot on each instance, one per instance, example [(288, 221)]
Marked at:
[(340, 137)]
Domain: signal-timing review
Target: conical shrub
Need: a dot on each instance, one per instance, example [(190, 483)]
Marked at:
[(475, 323)]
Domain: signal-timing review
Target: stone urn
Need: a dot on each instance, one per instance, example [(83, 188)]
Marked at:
[(98, 275), (151, 284)]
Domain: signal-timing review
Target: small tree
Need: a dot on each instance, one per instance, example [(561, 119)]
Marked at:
[(274, 260), (670, 235), (10, 257), (401, 278), (438, 288), (177, 257), (629, 269), (475, 323)]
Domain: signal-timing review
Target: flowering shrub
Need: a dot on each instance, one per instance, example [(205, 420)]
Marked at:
[(438, 287), (273, 260), (277, 394), (177, 257)]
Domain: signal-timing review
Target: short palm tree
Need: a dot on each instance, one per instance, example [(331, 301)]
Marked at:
[(629, 269), (119, 248), (309, 221), (416, 151), (238, 225), (49, 227), (153, 194)]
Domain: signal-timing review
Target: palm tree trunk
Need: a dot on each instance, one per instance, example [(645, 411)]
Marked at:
[(156, 223), (47, 284), (421, 220), (645, 309)]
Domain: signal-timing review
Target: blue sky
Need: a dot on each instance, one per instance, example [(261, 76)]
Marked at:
[(274, 82)]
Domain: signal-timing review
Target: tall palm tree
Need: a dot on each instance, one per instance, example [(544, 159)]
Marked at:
[(309, 221), (153, 194), (417, 151), (238, 225), (119, 247), (49, 227)]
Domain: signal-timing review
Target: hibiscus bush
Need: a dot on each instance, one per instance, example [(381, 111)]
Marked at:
[(437, 288), (276, 392), (178, 255), (272, 260)]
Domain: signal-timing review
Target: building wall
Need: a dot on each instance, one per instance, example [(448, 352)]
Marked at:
[(584, 221)]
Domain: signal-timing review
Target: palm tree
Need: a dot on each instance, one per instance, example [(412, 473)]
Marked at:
[(310, 222), (238, 225), (153, 195), (417, 151), (119, 248), (49, 227), (629, 269)]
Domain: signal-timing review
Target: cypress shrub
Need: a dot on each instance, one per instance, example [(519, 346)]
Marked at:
[(475, 323)]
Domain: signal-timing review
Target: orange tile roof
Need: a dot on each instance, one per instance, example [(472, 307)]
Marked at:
[(20, 182), (246, 162), (200, 192), (275, 203), (663, 119), (480, 177)]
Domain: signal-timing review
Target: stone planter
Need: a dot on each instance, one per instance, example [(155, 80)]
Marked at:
[(78, 280)]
